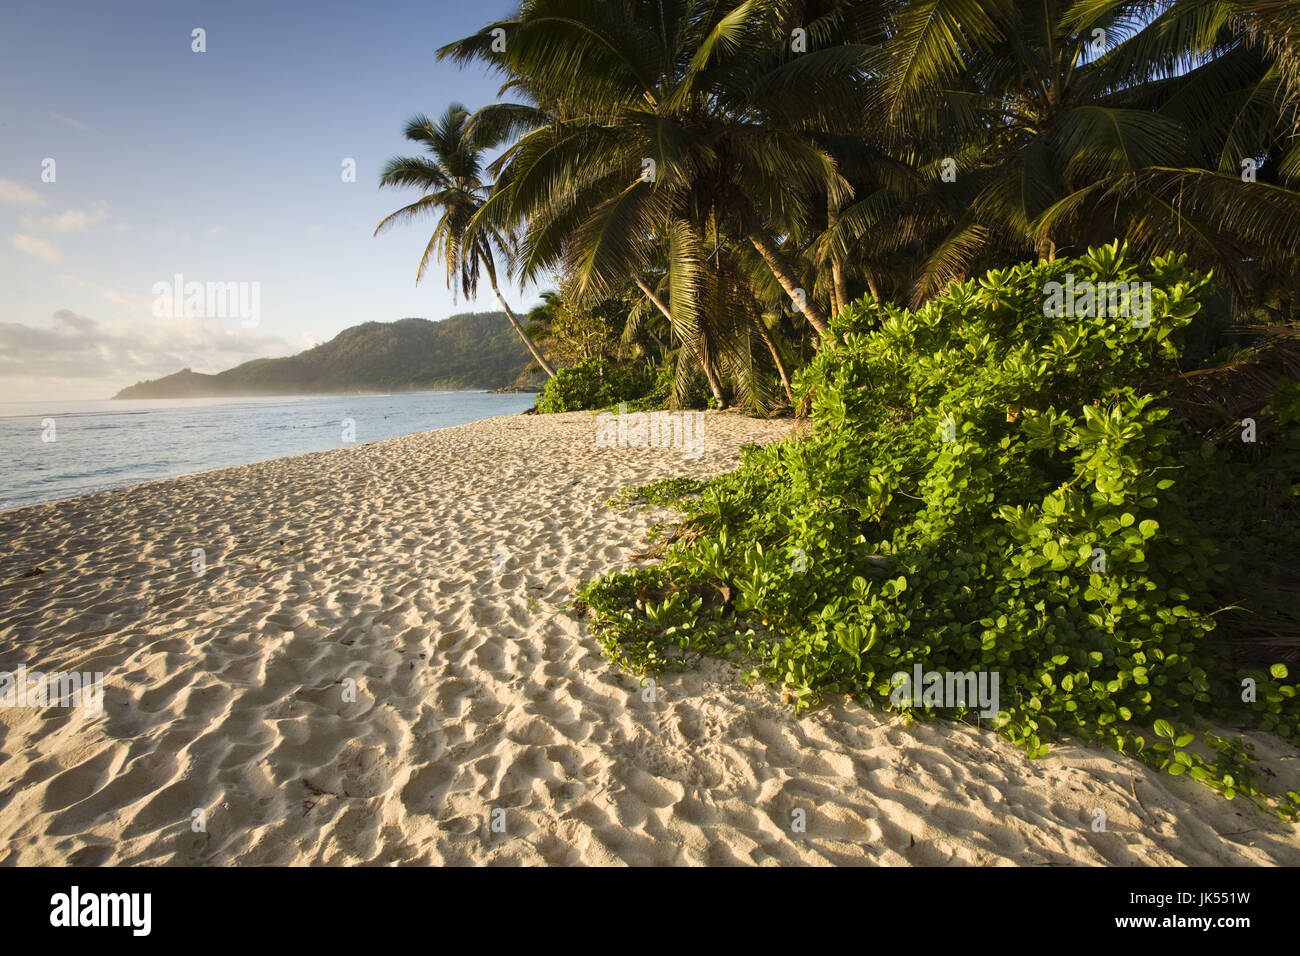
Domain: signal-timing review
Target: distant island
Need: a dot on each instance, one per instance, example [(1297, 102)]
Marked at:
[(469, 351)]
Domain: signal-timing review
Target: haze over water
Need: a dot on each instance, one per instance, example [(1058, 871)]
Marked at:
[(101, 445)]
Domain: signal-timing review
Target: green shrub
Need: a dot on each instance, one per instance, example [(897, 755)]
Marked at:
[(989, 488), (660, 395), (593, 383), (665, 492)]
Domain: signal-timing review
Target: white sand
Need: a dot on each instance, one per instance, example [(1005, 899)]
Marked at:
[(225, 691)]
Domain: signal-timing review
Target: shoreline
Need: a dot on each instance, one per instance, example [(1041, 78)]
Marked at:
[(505, 390), (130, 484), (425, 577), (213, 471)]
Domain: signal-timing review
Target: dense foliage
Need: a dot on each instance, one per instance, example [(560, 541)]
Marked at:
[(744, 169), (572, 333), (593, 383), (990, 487)]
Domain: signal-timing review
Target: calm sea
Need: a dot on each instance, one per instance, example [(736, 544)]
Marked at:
[(101, 445)]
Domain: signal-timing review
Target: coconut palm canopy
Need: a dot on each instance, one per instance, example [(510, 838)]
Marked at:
[(743, 170)]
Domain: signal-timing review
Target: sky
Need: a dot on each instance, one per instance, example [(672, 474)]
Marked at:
[(223, 166)]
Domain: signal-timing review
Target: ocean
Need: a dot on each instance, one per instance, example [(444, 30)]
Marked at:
[(53, 450)]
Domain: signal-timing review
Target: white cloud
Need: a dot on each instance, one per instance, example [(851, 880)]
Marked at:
[(74, 220), (110, 355), (36, 247), (135, 301), (216, 232), (75, 124), (16, 194)]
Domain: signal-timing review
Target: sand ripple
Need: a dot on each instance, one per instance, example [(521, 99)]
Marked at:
[(375, 667)]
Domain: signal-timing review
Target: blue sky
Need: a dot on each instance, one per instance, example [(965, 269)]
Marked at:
[(221, 166)]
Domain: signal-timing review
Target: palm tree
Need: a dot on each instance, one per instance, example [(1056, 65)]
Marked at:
[(688, 147), (451, 178), (1056, 147), (657, 120)]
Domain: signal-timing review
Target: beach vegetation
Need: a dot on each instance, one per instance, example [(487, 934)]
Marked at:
[(1029, 269), (991, 485), (737, 188), (594, 383), (665, 492)]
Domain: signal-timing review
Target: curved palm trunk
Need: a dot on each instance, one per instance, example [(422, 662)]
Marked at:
[(650, 294), (776, 357), (714, 385), (839, 288), (776, 262), (532, 346)]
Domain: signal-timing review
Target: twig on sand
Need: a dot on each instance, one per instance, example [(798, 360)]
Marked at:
[(320, 792), (309, 805)]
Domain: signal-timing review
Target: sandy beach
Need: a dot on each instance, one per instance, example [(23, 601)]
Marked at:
[(430, 574)]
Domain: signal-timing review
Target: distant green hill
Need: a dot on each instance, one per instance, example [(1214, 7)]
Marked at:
[(469, 351)]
